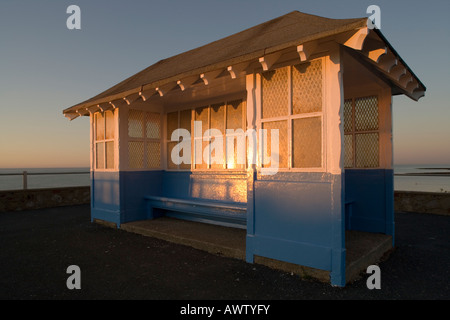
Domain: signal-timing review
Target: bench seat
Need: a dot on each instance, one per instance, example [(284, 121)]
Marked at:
[(231, 213)]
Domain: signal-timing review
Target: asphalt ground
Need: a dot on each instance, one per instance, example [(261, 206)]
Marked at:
[(37, 247)]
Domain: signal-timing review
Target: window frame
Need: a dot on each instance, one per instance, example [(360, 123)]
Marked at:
[(354, 132), (145, 140), (208, 105), (290, 117), (104, 141)]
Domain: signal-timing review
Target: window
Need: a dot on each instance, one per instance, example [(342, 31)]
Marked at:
[(292, 103), (104, 140), (144, 145), (224, 147), (220, 144), (361, 129), (178, 120)]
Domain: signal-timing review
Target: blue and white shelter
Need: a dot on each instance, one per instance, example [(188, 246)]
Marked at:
[(325, 86)]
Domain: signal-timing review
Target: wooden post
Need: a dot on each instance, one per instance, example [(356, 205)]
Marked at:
[(25, 182)]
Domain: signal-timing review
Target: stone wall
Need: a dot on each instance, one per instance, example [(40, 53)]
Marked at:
[(17, 200), (422, 202)]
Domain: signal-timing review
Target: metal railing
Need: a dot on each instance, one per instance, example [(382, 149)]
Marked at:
[(25, 175)]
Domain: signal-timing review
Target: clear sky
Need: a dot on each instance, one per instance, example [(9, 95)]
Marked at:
[(45, 68)]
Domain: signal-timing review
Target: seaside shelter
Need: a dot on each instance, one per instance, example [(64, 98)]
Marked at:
[(283, 130)]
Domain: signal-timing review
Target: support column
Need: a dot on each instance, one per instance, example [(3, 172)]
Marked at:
[(251, 171), (334, 134)]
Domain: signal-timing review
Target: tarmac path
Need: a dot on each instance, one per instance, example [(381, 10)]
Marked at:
[(36, 247)]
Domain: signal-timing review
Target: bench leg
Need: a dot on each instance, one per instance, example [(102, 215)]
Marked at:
[(150, 215)]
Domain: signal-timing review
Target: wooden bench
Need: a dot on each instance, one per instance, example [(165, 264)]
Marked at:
[(197, 209)]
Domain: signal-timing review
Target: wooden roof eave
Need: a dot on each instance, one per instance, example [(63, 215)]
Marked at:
[(224, 65), (377, 54)]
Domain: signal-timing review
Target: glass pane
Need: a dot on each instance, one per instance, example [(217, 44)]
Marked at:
[(367, 150), (282, 144), (153, 155), (136, 154), (110, 155), (201, 114), (234, 115), (100, 155), (185, 119), (348, 112), (200, 146), (185, 166), (275, 93), (348, 151), (172, 124), (217, 155), (307, 87), (153, 125), (218, 117), (99, 126), (235, 151), (109, 115), (136, 124), (366, 114), (170, 164), (307, 143)]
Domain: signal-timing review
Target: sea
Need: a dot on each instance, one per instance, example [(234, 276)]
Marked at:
[(426, 178), (38, 178)]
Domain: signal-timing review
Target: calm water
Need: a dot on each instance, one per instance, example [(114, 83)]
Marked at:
[(436, 180), (45, 181)]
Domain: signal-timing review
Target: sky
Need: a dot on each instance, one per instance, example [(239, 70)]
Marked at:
[(45, 67)]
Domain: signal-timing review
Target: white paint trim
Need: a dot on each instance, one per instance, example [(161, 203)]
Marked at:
[(269, 60), (356, 41), (333, 109), (305, 50), (91, 143), (116, 140), (208, 77)]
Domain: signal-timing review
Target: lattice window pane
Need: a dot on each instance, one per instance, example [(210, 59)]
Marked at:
[(99, 126), (201, 114), (136, 154), (367, 150), (348, 112), (348, 151), (110, 127), (170, 164), (153, 155), (185, 119), (218, 117), (366, 114), (172, 124), (307, 143), (307, 87), (282, 144), (234, 115), (153, 125), (110, 155), (100, 155), (275, 93), (136, 124)]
